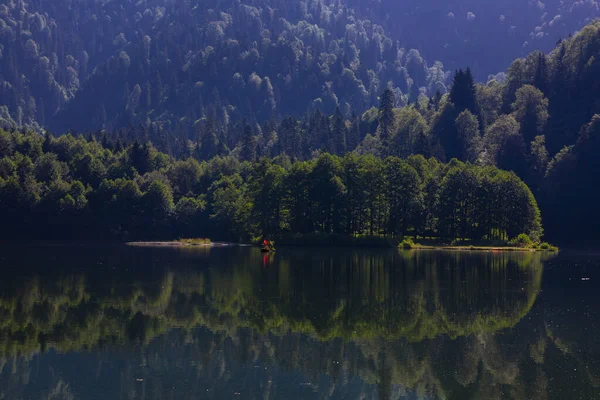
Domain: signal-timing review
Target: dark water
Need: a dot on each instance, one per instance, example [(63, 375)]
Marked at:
[(98, 322)]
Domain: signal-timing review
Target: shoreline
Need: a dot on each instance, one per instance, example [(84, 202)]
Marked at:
[(181, 244), (493, 249)]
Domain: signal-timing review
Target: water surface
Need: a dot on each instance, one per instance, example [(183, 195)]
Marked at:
[(112, 322)]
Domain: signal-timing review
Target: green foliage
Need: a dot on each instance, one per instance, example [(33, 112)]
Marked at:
[(545, 246), (522, 240), (96, 192), (194, 241), (530, 111), (408, 244)]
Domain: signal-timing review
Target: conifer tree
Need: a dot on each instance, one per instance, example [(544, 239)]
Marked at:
[(386, 116), (248, 148), (338, 133)]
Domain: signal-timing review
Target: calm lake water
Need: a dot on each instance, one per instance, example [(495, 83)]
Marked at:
[(112, 322)]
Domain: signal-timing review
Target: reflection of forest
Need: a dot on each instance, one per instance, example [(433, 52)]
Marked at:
[(426, 321)]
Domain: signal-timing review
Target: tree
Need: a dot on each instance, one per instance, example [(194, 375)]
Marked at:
[(158, 206), (353, 133), (327, 192), (463, 93), (541, 76), (410, 136), (6, 144), (489, 97), (140, 157), (443, 127), (558, 134), (538, 162), (457, 204), (248, 146), (290, 140), (531, 112), (404, 195), (504, 145), (189, 216), (467, 127), (267, 191), (386, 116), (337, 141), (230, 208), (209, 145), (185, 176)]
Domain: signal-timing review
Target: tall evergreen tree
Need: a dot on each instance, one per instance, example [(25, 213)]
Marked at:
[(337, 131), (463, 93), (209, 145), (386, 116), (540, 79), (353, 135), (557, 135), (248, 145)]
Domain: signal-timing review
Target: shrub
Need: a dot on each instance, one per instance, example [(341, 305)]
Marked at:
[(408, 244), (195, 242), (547, 247), (522, 241)]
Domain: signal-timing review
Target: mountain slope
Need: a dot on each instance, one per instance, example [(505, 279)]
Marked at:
[(164, 65), (81, 66)]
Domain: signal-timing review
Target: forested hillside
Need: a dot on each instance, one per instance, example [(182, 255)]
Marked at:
[(219, 83), (486, 35), (165, 65)]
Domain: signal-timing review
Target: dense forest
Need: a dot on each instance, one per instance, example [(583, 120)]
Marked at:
[(166, 65), (71, 187), (487, 35), (239, 90)]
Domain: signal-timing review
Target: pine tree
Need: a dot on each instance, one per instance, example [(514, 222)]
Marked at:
[(209, 144), (248, 148), (353, 135), (540, 79), (557, 136), (386, 116), (463, 93), (337, 133)]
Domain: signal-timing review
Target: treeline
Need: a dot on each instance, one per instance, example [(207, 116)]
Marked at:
[(71, 187)]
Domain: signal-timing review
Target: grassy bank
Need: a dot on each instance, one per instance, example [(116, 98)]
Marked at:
[(513, 245)]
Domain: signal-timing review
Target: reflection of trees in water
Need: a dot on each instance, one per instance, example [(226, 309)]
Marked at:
[(347, 295), (424, 320)]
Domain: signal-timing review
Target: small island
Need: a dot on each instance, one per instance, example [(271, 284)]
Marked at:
[(192, 242), (520, 243)]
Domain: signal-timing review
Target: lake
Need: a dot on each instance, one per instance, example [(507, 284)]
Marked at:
[(114, 322)]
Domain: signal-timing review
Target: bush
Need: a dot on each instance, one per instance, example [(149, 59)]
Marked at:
[(522, 241), (547, 247), (194, 242), (408, 244)]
